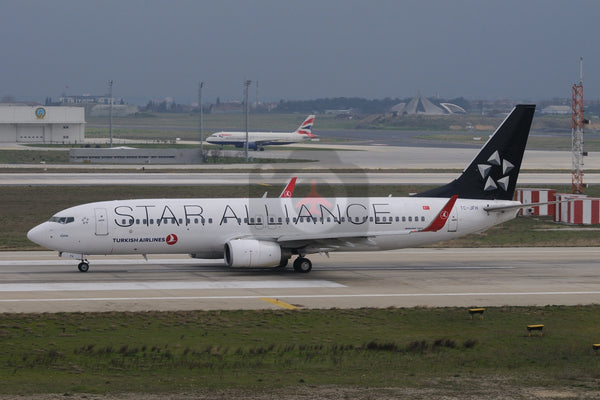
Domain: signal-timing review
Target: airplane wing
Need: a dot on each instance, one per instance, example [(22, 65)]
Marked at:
[(332, 240)]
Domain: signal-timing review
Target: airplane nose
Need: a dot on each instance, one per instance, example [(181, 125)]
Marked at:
[(38, 234)]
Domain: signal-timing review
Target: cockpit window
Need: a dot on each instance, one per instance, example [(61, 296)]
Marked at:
[(62, 220)]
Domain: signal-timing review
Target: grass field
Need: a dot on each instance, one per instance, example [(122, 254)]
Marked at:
[(178, 352)]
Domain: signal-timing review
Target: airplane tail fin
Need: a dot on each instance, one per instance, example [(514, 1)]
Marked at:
[(306, 127), (492, 175)]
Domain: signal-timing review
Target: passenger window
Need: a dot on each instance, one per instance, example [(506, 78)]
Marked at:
[(410, 219)]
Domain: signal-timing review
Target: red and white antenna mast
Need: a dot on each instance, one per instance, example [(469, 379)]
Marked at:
[(577, 133)]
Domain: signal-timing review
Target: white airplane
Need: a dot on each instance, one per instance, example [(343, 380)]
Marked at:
[(257, 140), (267, 232)]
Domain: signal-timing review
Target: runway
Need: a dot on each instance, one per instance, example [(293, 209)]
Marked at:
[(41, 282)]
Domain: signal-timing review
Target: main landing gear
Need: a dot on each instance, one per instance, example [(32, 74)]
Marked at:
[(84, 266), (303, 265)]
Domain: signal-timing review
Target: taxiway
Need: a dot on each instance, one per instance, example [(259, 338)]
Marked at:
[(40, 282)]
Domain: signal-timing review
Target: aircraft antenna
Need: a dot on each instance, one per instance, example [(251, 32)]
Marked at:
[(577, 122)]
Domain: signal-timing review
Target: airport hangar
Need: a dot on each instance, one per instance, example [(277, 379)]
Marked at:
[(41, 124)]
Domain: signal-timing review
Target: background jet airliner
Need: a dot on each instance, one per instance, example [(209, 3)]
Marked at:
[(257, 140), (267, 232)]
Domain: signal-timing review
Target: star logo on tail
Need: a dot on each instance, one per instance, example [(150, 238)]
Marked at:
[(495, 161)]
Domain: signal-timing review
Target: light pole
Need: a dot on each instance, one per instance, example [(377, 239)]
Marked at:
[(201, 133), (110, 99), (246, 84)]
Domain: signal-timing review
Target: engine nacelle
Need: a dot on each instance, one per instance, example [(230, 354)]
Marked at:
[(251, 253)]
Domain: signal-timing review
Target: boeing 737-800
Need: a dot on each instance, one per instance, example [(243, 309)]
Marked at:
[(257, 140), (267, 232)]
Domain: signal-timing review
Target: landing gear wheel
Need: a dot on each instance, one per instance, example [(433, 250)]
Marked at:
[(302, 265), (83, 266)]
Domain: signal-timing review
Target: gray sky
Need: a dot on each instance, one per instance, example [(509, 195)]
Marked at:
[(520, 50)]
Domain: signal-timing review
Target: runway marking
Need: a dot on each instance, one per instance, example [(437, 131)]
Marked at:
[(174, 285), (301, 296), (278, 303)]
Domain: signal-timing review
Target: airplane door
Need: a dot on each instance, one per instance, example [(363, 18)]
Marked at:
[(101, 222), (453, 220)]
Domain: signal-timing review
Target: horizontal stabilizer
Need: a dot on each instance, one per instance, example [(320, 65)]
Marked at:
[(518, 206)]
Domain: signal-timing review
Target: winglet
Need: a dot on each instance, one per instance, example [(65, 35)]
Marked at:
[(439, 221), (289, 189)]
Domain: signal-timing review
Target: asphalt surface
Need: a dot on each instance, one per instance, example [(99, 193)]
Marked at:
[(40, 282)]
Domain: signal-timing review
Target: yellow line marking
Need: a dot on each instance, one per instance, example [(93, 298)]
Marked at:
[(278, 303)]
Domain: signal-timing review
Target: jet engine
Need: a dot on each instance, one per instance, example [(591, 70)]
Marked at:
[(252, 253)]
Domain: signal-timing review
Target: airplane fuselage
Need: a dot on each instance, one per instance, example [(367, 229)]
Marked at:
[(260, 138), (201, 226)]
